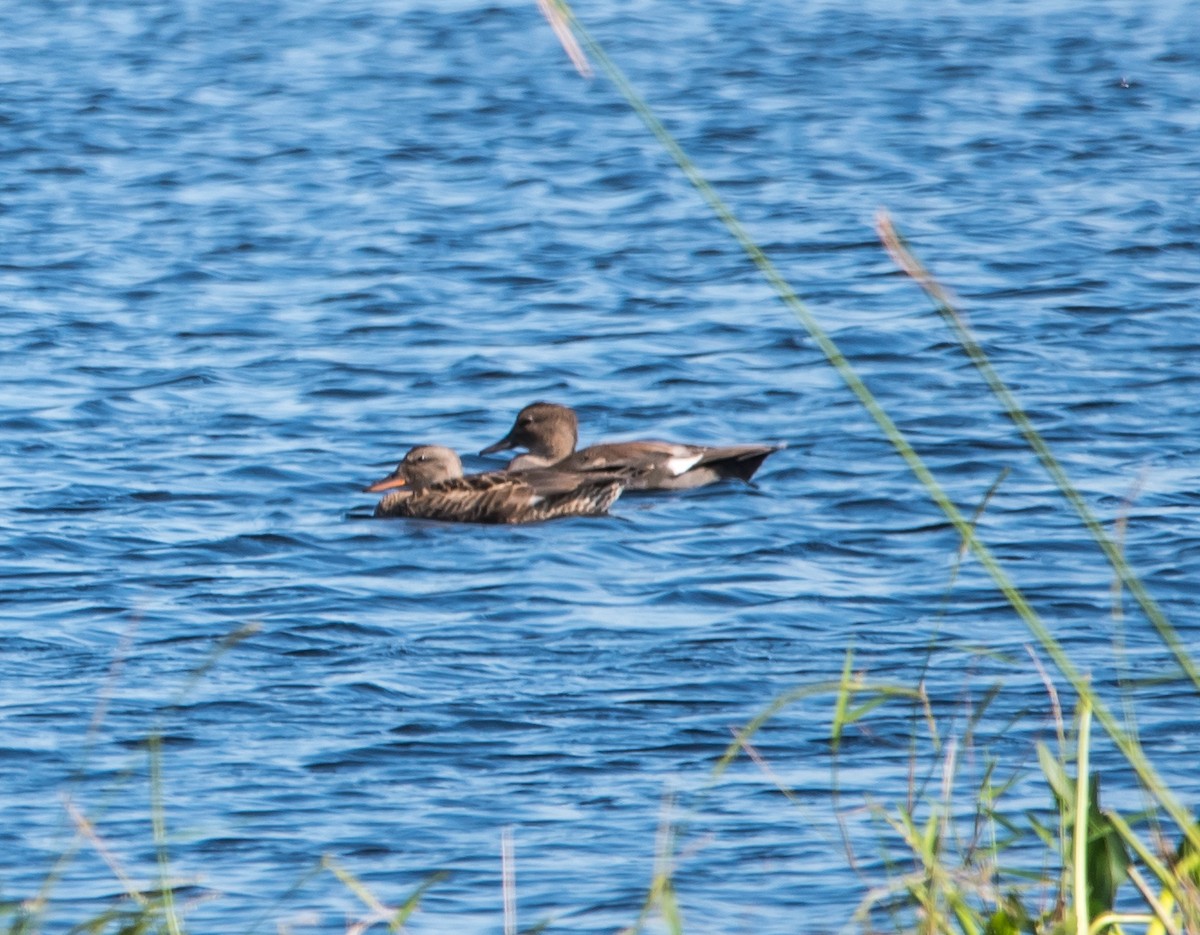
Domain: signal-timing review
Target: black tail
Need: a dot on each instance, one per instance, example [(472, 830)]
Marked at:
[(741, 462)]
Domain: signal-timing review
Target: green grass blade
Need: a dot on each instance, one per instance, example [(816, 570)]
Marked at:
[(410, 905), (798, 694), (842, 703), (158, 820), (395, 918), (1157, 867)]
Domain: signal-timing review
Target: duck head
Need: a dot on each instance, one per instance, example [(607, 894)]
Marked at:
[(422, 466), (546, 430)]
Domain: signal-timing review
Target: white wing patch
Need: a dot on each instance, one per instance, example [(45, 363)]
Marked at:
[(681, 463)]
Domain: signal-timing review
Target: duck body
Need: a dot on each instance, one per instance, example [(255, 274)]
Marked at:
[(549, 433), (429, 484)]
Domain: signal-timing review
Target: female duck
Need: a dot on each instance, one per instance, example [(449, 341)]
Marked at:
[(429, 484)]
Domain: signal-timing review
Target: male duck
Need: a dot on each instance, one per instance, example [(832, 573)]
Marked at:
[(549, 433)]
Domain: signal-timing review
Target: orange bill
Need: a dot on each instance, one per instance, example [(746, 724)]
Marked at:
[(392, 480)]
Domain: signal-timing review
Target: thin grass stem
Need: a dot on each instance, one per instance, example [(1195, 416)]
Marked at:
[(88, 830), (806, 691), (1157, 867), (661, 895), (562, 32), (1162, 917), (508, 881), (359, 889), (158, 822), (1082, 783)]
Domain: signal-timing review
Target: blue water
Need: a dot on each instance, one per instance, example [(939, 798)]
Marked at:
[(250, 253)]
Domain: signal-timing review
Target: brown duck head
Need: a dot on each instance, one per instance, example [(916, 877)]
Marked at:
[(546, 430), (422, 466)]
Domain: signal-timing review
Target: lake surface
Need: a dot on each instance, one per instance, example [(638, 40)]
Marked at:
[(249, 254)]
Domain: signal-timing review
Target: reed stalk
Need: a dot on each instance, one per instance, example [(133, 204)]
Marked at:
[(1082, 803)]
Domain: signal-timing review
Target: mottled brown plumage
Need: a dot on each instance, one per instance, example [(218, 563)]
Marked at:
[(549, 433), (434, 488)]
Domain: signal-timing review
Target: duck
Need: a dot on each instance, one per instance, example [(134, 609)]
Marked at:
[(429, 484), (549, 432)]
